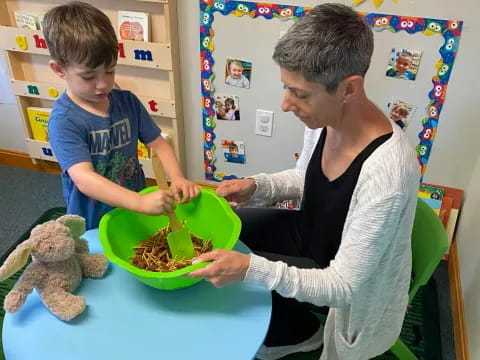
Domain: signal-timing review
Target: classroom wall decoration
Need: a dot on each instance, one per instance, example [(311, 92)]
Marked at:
[(238, 73), (234, 151), (404, 63), (400, 112), (227, 107), (448, 30)]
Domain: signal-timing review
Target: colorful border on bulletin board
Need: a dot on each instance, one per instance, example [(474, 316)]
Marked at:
[(450, 30)]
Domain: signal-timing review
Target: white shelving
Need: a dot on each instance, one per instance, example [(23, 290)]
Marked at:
[(149, 69)]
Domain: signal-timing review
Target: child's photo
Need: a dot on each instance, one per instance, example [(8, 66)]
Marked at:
[(237, 73), (227, 107), (234, 151), (404, 64), (400, 112)]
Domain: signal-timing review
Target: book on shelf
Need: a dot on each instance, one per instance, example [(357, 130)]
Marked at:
[(142, 151), (28, 20), (451, 202), (133, 25), (38, 119), (432, 196), (40, 21), (445, 210)]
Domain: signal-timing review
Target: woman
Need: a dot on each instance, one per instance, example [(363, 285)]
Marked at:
[(348, 248)]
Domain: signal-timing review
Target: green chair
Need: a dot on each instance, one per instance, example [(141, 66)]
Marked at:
[(429, 244)]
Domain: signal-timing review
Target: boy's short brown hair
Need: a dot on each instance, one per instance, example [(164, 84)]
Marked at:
[(79, 33)]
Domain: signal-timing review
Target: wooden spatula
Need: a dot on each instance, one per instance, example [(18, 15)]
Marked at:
[(179, 240)]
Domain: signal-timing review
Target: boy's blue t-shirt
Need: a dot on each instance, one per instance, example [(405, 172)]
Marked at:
[(109, 143)]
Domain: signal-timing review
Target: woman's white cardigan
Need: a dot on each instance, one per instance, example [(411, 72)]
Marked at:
[(366, 284)]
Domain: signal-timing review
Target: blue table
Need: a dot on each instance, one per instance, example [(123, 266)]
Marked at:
[(126, 319)]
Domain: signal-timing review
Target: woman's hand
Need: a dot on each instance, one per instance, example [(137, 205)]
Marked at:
[(227, 267), (184, 187), (237, 190)]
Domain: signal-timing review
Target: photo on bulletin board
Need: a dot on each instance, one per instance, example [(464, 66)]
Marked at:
[(238, 73), (234, 151), (400, 112), (227, 107), (403, 64)]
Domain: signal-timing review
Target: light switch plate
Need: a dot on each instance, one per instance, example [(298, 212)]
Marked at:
[(264, 122)]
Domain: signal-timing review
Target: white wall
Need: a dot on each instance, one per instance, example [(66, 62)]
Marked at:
[(455, 160), (12, 133), (468, 237)]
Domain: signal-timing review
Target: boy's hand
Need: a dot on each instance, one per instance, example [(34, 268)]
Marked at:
[(159, 202), (184, 189)]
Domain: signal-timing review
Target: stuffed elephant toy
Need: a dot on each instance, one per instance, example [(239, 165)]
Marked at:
[(60, 258)]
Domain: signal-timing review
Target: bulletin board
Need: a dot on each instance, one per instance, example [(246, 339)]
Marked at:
[(248, 31)]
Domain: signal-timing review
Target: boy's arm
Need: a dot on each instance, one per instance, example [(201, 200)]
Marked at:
[(167, 156), (100, 188), (179, 184)]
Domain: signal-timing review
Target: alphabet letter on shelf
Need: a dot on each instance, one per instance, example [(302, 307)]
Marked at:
[(21, 41), (39, 42)]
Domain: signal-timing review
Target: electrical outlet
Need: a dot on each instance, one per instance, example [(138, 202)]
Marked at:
[(264, 122)]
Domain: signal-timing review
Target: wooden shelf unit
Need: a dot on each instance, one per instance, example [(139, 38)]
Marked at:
[(151, 70)]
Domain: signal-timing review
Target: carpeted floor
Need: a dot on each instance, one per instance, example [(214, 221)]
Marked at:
[(24, 196)]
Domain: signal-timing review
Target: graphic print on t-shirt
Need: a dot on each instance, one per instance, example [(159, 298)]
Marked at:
[(118, 136)]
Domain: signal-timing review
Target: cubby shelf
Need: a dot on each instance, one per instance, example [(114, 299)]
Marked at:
[(133, 53), (42, 150), (154, 106), (151, 71)]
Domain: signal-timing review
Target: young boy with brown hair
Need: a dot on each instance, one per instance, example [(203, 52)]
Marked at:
[(94, 129), (402, 66)]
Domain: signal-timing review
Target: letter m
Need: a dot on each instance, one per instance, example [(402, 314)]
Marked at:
[(143, 55)]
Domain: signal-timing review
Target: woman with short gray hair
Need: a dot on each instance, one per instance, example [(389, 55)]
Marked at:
[(347, 250)]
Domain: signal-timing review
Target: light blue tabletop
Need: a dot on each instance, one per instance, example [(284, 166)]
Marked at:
[(126, 319)]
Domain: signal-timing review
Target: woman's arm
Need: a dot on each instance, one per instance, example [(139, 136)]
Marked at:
[(287, 184), (360, 252)]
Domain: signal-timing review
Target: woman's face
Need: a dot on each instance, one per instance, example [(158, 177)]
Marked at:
[(309, 101)]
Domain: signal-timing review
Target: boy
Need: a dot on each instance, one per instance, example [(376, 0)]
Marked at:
[(399, 114), (402, 64), (233, 155), (94, 128)]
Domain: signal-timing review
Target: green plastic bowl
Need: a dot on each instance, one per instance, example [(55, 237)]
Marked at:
[(208, 216)]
